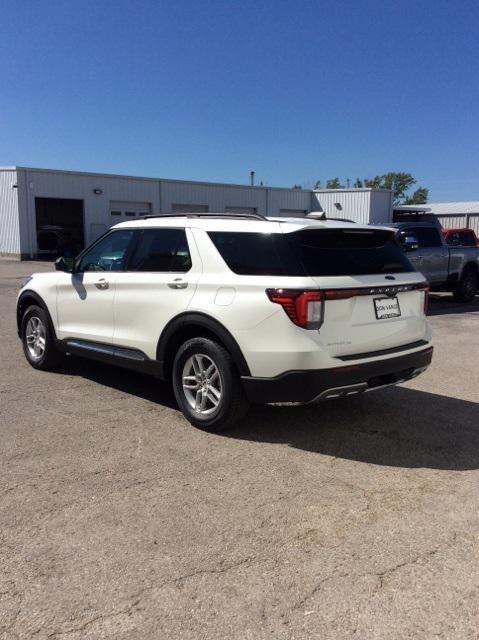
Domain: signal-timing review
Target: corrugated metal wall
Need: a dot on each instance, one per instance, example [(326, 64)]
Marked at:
[(217, 197), (460, 220), (58, 184), (381, 207), (9, 223), (353, 205), (161, 195)]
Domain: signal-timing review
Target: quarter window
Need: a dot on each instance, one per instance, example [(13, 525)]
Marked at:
[(161, 250), (109, 254)]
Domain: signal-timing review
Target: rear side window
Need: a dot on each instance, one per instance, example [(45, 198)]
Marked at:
[(161, 250), (256, 254), (467, 239), (342, 252)]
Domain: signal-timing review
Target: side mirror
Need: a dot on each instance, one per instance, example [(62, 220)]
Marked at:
[(64, 264)]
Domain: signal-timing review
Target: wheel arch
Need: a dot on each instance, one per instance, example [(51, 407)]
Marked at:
[(194, 324), (27, 299), (470, 265)]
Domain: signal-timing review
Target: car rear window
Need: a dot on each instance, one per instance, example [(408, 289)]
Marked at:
[(322, 252), (341, 252)]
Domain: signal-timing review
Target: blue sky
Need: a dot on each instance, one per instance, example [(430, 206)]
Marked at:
[(208, 90)]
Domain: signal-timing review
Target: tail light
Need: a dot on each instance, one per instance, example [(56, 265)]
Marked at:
[(303, 307)]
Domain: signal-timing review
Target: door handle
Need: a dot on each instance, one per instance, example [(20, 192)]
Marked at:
[(102, 284), (178, 283)]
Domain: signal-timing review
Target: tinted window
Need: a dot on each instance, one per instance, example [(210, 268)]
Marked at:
[(161, 250), (256, 254), (467, 239), (341, 252), (328, 252), (426, 236), (109, 254)]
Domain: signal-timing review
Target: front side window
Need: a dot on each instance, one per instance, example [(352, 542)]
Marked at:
[(109, 254), (161, 250)]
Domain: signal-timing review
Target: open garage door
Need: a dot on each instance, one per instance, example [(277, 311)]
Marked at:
[(60, 229)]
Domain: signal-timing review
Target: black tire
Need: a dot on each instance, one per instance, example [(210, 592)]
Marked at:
[(467, 287), (50, 358), (233, 404)]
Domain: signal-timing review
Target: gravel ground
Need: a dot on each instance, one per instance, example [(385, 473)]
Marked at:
[(351, 519)]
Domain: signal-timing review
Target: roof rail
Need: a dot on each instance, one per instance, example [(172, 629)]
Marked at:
[(205, 214)]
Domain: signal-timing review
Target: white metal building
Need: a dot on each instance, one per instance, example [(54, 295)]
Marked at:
[(40, 207), (457, 214), (360, 205)]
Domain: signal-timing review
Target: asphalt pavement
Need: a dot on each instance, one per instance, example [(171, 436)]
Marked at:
[(354, 519)]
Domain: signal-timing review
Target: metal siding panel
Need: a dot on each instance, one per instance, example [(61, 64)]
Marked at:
[(354, 204), (474, 222), (292, 199), (216, 197), (380, 207), (9, 218), (42, 183), (453, 221)]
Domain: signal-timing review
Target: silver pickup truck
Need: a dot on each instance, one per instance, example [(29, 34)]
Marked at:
[(447, 268)]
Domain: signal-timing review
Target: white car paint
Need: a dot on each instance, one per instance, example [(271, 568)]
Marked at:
[(134, 307)]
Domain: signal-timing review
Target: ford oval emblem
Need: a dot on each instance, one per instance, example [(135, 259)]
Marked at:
[(390, 277)]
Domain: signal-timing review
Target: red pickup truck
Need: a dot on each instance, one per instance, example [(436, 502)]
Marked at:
[(460, 237)]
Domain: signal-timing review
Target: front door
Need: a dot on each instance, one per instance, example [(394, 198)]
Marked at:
[(85, 297), (163, 271)]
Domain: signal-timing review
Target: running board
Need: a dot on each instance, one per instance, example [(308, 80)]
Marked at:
[(111, 354)]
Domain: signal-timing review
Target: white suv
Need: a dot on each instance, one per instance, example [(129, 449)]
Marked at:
[(236, 309)]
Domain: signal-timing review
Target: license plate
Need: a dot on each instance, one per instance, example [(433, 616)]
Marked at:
[(386, 308)]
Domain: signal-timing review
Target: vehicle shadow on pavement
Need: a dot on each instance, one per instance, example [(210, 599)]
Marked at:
[(130, 382), (397, 427), (440, 304)]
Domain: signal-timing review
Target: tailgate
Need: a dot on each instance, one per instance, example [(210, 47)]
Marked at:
[(374, 317)]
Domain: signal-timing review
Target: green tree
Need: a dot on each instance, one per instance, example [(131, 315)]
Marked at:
[(398, 182), (334, 183), (373, 183), (420, 196)]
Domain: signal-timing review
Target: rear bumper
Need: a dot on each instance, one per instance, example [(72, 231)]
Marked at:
[(320, 384)]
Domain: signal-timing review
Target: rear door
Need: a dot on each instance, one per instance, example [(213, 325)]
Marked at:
[(161, 278), (432, 256), (374, 297)]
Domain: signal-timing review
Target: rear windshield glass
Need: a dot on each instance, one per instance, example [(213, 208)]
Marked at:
[(325, 252), (341, 252)]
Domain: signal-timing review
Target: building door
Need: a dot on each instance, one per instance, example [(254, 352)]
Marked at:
[(60, 228), (123, 211)]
